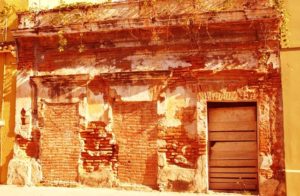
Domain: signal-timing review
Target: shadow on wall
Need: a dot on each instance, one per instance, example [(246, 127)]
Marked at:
[(9, 104), (9, 95)]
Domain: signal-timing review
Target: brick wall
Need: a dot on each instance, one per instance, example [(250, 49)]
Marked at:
[(98, 151), (135, 128), (30, 146), (181, 149), (59, 143)]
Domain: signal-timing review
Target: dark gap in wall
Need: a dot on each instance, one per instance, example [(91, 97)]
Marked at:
[(230, 104)]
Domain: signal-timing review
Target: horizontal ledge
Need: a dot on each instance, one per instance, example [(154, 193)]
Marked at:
[(217, 21), (292, 171)]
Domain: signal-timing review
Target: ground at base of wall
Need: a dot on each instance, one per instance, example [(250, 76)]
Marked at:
[(78, 191), (127, 188)]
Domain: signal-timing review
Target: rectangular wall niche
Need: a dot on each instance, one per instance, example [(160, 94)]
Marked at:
[(232, 146), (60, 146), (135, 129)]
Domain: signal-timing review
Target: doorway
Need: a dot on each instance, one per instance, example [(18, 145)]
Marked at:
[(232, 135)]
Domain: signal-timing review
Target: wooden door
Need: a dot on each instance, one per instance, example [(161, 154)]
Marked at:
[(232, 148)]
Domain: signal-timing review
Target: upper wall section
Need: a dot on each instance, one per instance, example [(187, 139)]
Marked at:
[(163, 34), (38, 4), (131, 12)]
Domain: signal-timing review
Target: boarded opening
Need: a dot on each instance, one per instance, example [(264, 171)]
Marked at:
[(232, 146), (59, 143), (136, 134)]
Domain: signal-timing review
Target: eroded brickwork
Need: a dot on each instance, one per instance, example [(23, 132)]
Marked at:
[(183, 147), (180, 149), (98, 149), (30, 146)]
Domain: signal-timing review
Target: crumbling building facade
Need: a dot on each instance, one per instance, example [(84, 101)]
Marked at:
[(171, 95)]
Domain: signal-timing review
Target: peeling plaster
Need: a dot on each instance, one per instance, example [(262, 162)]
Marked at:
[(218, 62), (82, 69), (174, 101), (95, 106), (247, 60), (133, 93), (266, 162), (156, 62)]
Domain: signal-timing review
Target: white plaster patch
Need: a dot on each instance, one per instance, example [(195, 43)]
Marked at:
[(156, 62), (19, 152), (201, 117), (94, 98), (83, 69), (274, 60), (183, 95), (245, 60), (95, 106), (167, 122), (82, 109), (161, 107), (26, 22), (214, 64), (173, 102), (266, 162), (133, 93)]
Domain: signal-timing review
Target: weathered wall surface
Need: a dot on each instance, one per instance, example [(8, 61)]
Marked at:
[(142, 98)]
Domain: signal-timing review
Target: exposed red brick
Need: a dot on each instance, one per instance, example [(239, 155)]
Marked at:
[(135, 128), (60, 146), (98, 151)]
